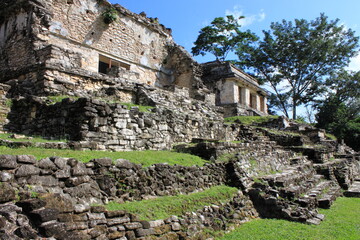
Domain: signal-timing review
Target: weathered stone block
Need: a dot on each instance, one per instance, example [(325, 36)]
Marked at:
[(7, 193), (156, 223), (26, 171), (80, 170), (132, 225), (71, 226), (46, 163), (28, 159), (31, 204), (130, 235), (113, 214), (97, 231), (98, 209), (45, 215), (76, 181), (47, 181), (60, 162), (118, 221), (6, 177), (64, 173), (96, 216), (103, 162), (8, 162), (145, 224), (80, 208), (176, 226), (160, 230), (123, 163), (116, 235), (144, 232), (58, 201)]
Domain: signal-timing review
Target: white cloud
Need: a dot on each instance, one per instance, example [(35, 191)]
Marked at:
[(237, 12), (354, 63)]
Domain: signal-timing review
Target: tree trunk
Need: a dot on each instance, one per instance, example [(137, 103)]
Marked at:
[(294, 109)]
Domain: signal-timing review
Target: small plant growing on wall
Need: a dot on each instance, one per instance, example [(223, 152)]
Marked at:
[(110, 15)]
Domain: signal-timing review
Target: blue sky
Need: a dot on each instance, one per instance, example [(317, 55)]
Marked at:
[(187, 17)]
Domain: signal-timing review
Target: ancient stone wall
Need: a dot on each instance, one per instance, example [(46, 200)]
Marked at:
[(99, 125), (54, 197)]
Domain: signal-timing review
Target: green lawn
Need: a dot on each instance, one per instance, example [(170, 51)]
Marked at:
[(164, 207), (146, 158), (342, 221), (6, 136)]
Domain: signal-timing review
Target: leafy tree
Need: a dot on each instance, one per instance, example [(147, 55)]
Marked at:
[(339, 113), (294, 58), (221, 37)]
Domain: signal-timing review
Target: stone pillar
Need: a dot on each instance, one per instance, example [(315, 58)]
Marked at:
[(245, 96), (229, 92), (265, 106), (257, 102)]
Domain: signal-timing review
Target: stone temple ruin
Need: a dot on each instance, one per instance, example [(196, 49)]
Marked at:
[(78, 49), (58, 47)]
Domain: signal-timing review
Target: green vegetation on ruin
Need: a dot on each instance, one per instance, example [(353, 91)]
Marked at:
[(164, 207), (59, 98), (146, 158), (249, 120), (141, 107), (342, 221), (226, 157), (331, 136), (280, 132), (7, 136)]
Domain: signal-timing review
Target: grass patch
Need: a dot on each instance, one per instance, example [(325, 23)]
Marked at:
[(164, 207), (226, 157), (249, 120), (6, 136), (342, 221), (330, 136), (279, 132), (8, 103), (146, 158), (141, 107), (55, 99)]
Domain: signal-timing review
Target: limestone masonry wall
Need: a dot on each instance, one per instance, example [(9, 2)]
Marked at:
[(67, 190), (99, 125)]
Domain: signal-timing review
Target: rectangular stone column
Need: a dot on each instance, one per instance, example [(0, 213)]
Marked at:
[(245, 96), (265, 106), (229, 92), (257, 102)]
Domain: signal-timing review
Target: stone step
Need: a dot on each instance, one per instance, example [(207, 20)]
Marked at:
[(322, 195), (354, 190), (307, 186), (327, 198), (293, 175)]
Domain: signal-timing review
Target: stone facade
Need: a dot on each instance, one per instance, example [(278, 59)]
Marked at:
[(66, 47), (52, 47), (236, 91)]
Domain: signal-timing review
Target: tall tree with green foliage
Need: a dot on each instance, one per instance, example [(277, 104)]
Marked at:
[(294, 58), (222, 36), (339, 113)]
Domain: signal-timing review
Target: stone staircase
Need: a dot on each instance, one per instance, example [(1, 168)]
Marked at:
[(354, 189), (294, 194)]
